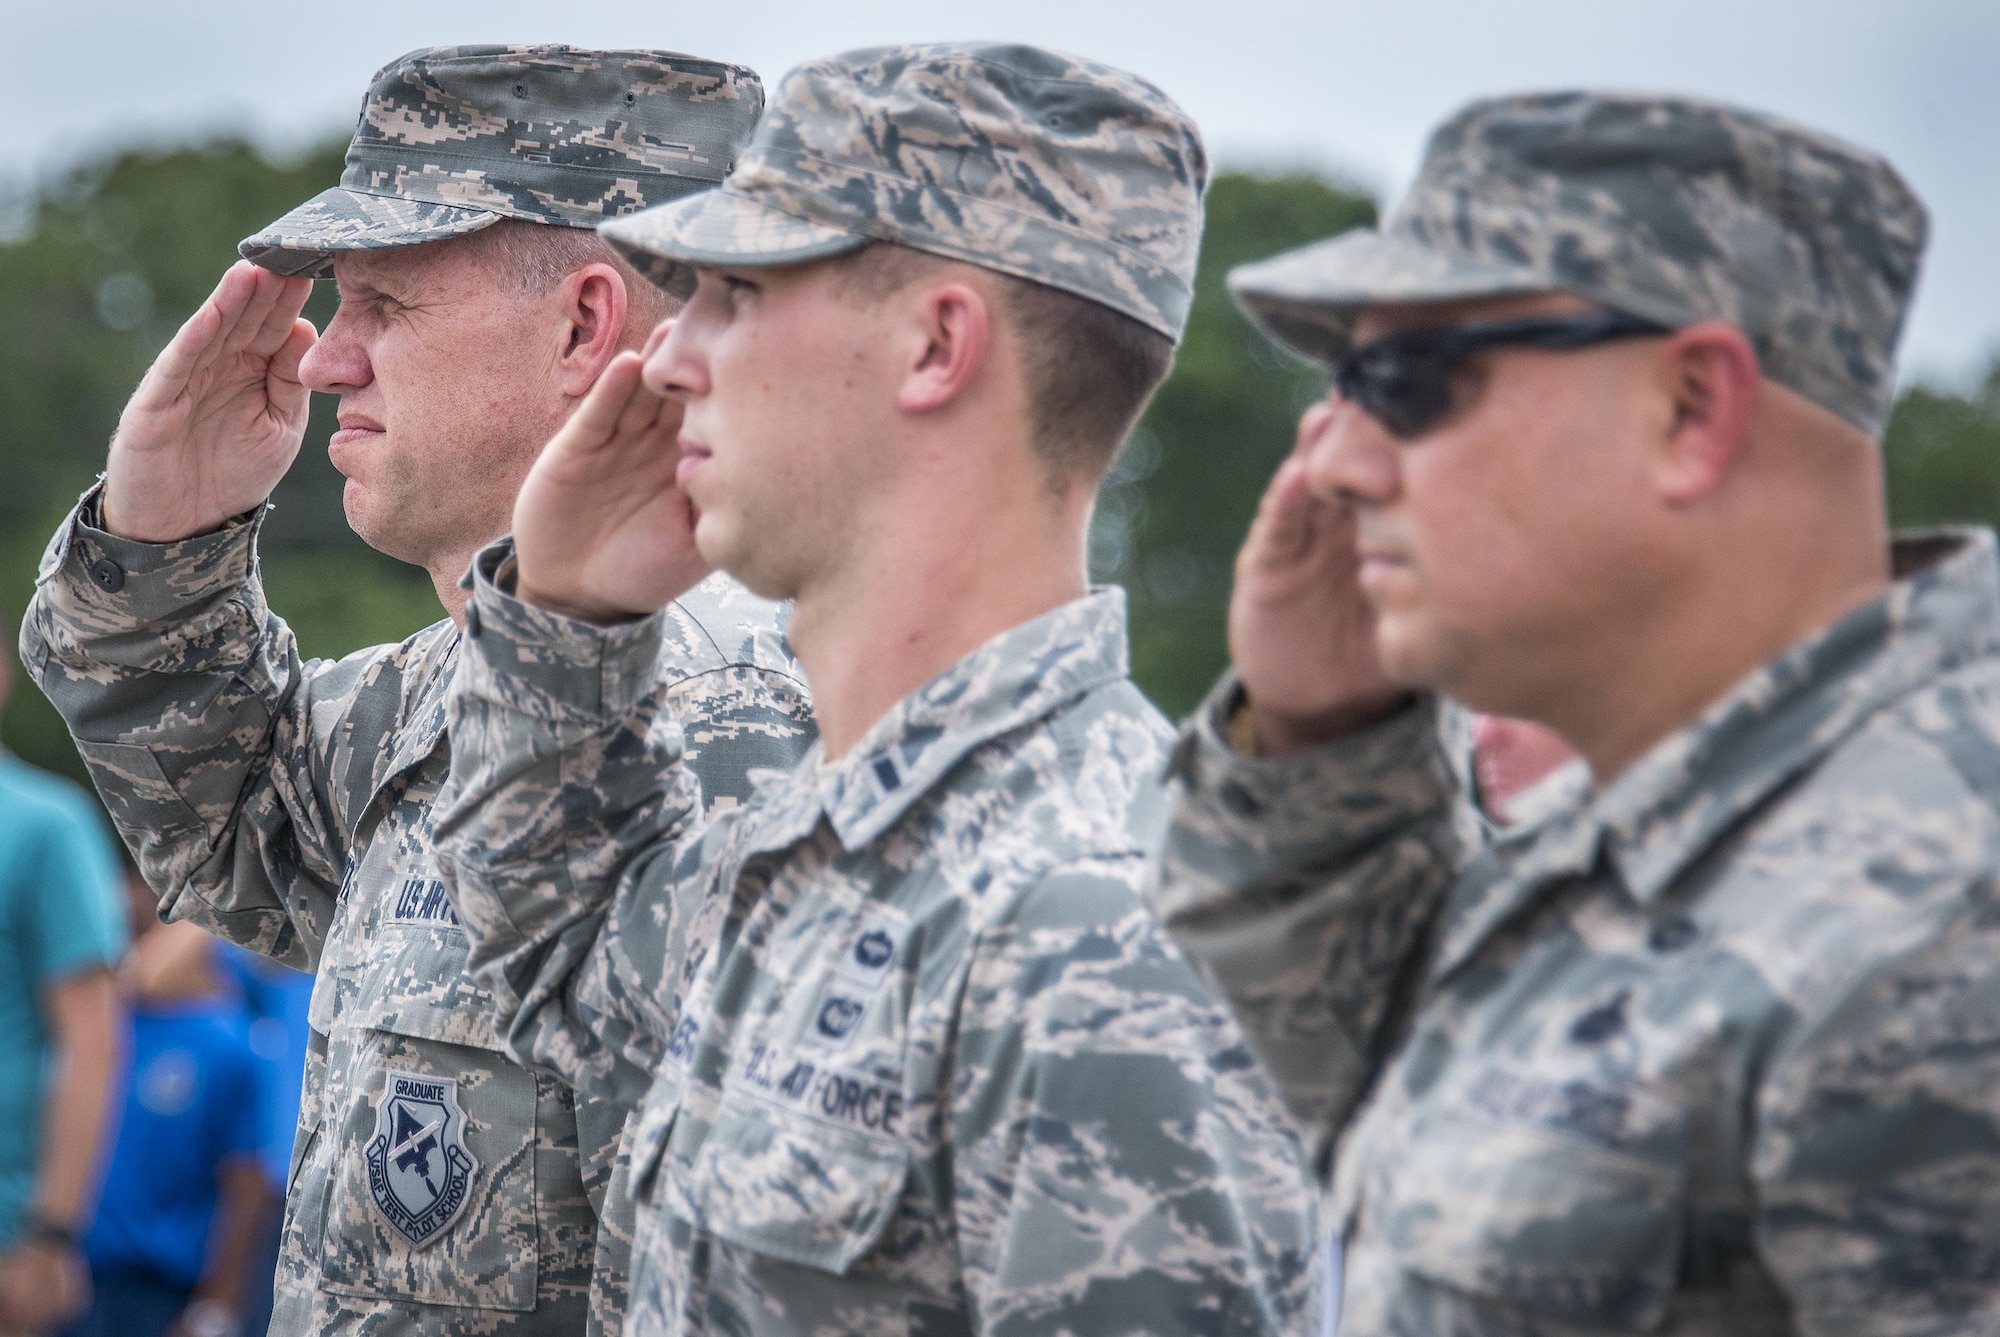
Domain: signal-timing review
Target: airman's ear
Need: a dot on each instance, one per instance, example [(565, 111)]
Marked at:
[(1712, 381), (953, 331), (593, 305)]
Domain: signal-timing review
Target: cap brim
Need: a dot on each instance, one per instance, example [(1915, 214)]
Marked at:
[(1307, 299), (720, 227), (305, 240)]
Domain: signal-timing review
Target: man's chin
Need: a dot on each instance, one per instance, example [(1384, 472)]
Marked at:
[(374, 529), (720, 543), (1411, 657)]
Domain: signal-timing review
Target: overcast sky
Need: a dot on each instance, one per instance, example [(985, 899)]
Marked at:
[(1346, 85)]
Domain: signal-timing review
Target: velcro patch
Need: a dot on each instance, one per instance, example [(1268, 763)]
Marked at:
[(419, 1171)]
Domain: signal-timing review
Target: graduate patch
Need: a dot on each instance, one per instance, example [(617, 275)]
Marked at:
[(419, 1172)]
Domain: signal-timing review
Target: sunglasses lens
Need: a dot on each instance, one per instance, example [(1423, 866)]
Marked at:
[(1406, 394)]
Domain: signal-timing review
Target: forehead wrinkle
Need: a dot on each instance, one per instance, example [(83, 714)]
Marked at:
[(404, 274)]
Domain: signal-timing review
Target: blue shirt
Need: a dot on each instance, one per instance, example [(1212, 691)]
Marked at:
[(279, 999), (61, 913), (194, 1098)]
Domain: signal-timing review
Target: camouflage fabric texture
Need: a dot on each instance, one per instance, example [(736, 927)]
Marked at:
[(287, 805), (922, 1061), (1672, 209), (454, 138), (1044, 166), (1715, 1051)]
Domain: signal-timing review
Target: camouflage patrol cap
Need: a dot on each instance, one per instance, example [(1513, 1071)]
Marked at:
[(1674, 210), (1036, 164), (455, 138)]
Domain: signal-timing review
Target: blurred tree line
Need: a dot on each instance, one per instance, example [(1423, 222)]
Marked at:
[(98, 267)]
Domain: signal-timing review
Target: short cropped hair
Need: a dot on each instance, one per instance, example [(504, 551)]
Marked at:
[(1090, 370), (541, 255)]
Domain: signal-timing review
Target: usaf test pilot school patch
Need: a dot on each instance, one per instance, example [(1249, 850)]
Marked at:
[(419, 1172)]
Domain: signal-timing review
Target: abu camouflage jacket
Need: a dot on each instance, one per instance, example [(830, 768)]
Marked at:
[(437, 1187), (1716, 1051), (922, 1061)]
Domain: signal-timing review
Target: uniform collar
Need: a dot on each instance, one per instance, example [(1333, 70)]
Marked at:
[(1685, 793), (419, 723), (1697, 784), (1020, 676)]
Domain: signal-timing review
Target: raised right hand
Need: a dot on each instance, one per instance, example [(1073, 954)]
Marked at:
[(602, 532), (219, 416), (1301, 634)]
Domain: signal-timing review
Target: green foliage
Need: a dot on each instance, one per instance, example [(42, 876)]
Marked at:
[(1943, 455), (1176, 506), (106, 261)]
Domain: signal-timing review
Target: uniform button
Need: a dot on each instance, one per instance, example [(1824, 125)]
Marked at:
[(1672, 933), (472, 621), (108, 574)]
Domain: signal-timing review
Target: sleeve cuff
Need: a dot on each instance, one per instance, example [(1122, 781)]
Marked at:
[(1393, 770), (119, 580), (543, 662)]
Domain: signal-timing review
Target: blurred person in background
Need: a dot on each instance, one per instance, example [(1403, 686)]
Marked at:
[(188, 964), (62, 930), (183, 1193), (279, 1000)]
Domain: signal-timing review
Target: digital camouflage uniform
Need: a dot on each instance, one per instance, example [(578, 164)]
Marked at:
[(922, 1061), (286, 805), (1716, 1049)]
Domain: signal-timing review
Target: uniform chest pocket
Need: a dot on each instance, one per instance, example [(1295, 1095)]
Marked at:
[(786, 1186), (1538, 1220), (431, 1178)]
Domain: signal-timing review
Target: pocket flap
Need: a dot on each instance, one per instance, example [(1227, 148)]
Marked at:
[(794, 1188), (412, 982), (1549, 1223)]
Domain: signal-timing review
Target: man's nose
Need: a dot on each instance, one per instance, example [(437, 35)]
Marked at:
[(676, 361), (336, 363), (1353, 457)]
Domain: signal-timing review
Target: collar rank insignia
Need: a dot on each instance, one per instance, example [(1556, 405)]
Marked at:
[(419, 1171)]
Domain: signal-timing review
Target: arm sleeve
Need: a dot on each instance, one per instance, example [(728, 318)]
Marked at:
[(1303, 888), (211, 741), (1877, 1157), (735, 721), (569, 835), (1120, 1164), (74, 914)]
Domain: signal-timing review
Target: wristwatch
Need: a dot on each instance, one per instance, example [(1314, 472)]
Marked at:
[(210, 1318)]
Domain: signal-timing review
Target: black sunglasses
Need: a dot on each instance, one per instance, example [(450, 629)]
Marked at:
[(1404, 380)]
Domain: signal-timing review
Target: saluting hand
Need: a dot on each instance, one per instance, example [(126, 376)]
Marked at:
[(219, 416), (601, 531), (1301, 634)]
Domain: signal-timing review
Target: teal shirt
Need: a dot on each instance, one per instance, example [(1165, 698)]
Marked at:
[(60, 914)]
